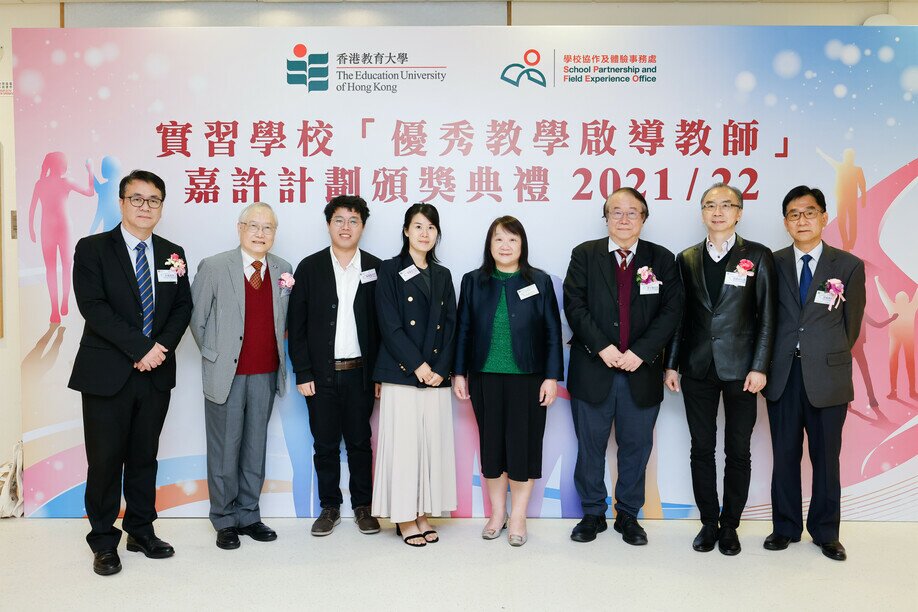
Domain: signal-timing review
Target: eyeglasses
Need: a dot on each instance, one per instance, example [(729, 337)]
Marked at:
[(138, 201), (708, 206), (352, 222), (618, 215), (253, 228), (808, 213)]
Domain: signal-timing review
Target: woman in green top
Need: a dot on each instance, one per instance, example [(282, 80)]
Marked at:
[(508, 362)]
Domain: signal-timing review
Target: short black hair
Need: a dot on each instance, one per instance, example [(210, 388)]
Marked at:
[(429, 211), (143, 176), (513, 226), (352, 203), (630, 190), (802, 190)]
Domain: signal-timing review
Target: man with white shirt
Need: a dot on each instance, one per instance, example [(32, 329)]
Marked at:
[(723, 348), (821, 298), (240, 313), (334, 340)]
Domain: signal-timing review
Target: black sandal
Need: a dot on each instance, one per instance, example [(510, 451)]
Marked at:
[(427, 533), (398, 532)]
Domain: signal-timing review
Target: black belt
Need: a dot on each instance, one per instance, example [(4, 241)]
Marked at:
[(348, 364)]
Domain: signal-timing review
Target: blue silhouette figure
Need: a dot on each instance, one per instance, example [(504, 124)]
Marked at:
[(108, 214)]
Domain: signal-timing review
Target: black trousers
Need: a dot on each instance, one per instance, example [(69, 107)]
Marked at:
[(702, 397), (511, 424), (789, 417), (342, 409), (122, 439)]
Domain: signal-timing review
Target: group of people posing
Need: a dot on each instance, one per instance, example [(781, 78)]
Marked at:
[(724, 319)]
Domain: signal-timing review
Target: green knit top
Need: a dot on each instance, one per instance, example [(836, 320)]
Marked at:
[(500, 358)]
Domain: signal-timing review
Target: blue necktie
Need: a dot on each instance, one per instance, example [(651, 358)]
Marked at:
[(806, 277), (145, 284)]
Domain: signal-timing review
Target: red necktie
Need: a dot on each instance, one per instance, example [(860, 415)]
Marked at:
[(255, 279), (624, 255)]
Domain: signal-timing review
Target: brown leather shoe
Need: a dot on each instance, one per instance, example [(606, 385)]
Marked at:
[(366, 522), (326, 522)]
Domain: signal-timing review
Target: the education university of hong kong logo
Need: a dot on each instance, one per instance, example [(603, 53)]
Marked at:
[(514, 73), (309, 69)]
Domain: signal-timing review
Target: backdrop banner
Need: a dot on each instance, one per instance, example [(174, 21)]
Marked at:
[(537, 122)]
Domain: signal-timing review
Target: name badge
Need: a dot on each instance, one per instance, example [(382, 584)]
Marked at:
[(650, 288), (166, 276), (732, 278), (824, 297), (367, 276), (409, 272), (527, 292)]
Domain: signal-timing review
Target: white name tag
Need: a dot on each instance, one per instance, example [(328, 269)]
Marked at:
[(527, 292), (367, 276), (409, 272), (166, 276), (824, 297), (737, 280), (650, 288)]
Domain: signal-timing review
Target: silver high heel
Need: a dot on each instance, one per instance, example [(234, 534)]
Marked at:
[(492, 534)]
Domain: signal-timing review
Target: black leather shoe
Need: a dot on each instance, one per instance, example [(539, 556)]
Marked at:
[(631, 530), (706, 539), (325, 524), (776, 541), (833, 550), (258, 531), (151, 546), (728, 541), (106, 562), (366, 522), (588, 527), (228, 538)]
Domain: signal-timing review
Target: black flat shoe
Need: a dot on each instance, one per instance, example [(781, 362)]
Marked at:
[(106, 562), (259, 532), (588, 527), (833, 550), (228, 538), (728, 541), (776, 541), (706, 539), (631, 530), (151, 546)]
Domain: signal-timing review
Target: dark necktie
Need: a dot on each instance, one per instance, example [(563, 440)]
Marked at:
[(624, 255), (145, 284), (806, 277), (255, 279)]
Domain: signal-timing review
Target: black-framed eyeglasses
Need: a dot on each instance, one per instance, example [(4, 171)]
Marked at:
[(709, 206), (807, 213), (138, 201)]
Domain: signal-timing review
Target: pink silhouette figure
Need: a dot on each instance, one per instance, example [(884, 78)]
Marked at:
[(901, 337), (849, 181), (860, 357), (52, 189)]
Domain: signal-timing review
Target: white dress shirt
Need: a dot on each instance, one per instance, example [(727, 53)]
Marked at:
[(347, 281), (719, 252), (248, 268), (132, 241), (613, 248), (815, 254)]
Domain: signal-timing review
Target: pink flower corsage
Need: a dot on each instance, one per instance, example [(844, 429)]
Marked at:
[(744, 268), (645, 276), (836, 289), (177, 264), (286, 281)]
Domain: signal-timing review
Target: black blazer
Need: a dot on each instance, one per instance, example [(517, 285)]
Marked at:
[(535, 323), (312, 315), (825, 336), (591, 306), (738, 331), (414, 328), (106, 291)]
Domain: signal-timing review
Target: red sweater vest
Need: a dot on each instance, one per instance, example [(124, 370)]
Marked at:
[(624, 281), (259, 345)]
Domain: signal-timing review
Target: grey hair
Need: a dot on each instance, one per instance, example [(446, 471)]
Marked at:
[(736, 192), (257, 206)]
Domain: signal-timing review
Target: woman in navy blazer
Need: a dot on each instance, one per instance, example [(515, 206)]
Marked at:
[(508, 344), (416, 307)]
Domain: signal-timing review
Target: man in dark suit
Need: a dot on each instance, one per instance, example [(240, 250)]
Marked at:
[(623, 301), (821, 299), (133, 293), (722, 349), (333, 343)]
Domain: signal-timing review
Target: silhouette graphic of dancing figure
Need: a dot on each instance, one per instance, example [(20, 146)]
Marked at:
[(849, 181), (901, 337), (52, 189), (108, 213)]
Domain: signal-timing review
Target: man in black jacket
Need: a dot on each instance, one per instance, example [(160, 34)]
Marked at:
[(133, 293), (722, 348), (623, 301), (333, 341)]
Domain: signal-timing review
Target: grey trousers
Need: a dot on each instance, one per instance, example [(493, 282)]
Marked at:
[(237, 433)]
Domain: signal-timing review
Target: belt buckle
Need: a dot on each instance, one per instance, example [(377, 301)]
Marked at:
[(797, 353)]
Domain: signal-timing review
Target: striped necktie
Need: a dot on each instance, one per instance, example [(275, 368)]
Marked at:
[(145, 284), (623, 253)]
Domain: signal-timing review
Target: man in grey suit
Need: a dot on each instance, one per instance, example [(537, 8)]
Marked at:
[(243, 293), (821, 299)]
